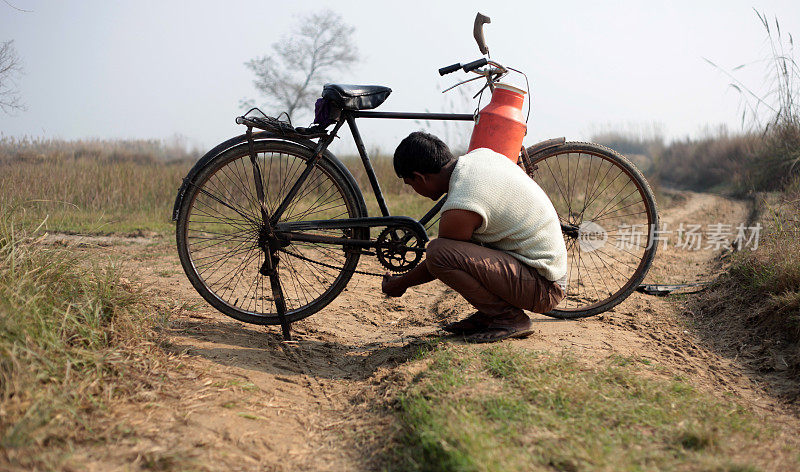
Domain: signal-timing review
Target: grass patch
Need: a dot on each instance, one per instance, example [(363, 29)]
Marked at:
[(513, 409), (75, 337), (756, 299)]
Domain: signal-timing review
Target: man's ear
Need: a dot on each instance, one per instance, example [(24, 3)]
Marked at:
[(419, 176)]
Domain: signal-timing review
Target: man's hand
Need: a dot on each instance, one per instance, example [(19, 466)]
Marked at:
[(393, 285)]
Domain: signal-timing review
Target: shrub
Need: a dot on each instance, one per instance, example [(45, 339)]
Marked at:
[(74, 336)]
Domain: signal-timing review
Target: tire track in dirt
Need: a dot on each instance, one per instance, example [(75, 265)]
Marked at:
[(249, 399)]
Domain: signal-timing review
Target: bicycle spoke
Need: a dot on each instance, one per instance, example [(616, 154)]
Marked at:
[(558, 184), (595, 192), (620, 216), (586, 189), (616, 208)]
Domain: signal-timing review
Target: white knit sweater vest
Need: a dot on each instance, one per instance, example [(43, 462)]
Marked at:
[(518, 218)]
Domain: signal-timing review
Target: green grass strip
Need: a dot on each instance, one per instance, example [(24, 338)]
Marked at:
[(506, 409)]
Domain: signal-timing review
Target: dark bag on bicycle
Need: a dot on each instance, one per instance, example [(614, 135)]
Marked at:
[(325, 112)]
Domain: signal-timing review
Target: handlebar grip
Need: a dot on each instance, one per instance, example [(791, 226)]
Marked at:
[(477, 31), (449, 69), (475, 64)]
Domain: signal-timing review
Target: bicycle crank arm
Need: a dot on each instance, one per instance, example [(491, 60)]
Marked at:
[(347, 223)]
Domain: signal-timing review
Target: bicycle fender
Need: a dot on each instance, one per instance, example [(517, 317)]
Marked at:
[(547, 144), (263, 136)]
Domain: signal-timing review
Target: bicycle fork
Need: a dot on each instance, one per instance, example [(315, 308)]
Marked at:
[(267, 240)]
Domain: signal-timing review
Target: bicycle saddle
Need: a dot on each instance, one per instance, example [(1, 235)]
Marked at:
[(356, 97)]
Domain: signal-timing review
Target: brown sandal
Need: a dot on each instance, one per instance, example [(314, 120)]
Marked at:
[(472, 324)]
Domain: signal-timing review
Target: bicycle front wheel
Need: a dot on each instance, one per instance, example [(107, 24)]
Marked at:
[(220, 226), (609, 215)]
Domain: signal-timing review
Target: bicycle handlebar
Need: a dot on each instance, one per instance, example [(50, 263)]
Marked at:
[(475, 64), (493, 73), (450, 68)]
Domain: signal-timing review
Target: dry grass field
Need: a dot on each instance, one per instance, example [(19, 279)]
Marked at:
[(91, 186)]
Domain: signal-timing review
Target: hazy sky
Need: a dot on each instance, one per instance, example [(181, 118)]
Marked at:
[(152, 69)]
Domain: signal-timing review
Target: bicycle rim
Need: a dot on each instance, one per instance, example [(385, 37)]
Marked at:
[(602, 193), (220, 224)]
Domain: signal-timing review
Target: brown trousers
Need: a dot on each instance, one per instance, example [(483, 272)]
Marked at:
[(495, 283)]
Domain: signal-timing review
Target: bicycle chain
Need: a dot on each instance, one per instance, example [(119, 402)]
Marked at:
[(354, 271)]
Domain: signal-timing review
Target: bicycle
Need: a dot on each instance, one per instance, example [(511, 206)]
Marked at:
[(271, 225)]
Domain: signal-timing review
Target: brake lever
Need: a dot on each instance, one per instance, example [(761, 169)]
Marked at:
[(461, 83), (490, 71)]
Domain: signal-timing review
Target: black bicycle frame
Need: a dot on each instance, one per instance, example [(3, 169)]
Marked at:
[(349, 117)]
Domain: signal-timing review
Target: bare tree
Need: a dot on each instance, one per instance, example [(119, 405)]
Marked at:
[(292, 76), (10, 68)]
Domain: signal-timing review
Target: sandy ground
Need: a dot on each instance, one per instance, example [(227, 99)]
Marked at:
[(247, 401)]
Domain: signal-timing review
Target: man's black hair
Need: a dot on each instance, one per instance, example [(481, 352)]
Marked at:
[(420, 152)]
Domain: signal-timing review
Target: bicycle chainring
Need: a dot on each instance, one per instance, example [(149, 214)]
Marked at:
[(399, 248)]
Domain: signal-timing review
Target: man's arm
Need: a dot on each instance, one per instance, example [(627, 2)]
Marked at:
[(455, 224), (459, 224)]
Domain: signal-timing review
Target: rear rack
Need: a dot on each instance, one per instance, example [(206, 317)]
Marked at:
[(278, 126)]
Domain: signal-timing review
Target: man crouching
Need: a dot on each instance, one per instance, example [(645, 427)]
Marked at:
[(500, 244)]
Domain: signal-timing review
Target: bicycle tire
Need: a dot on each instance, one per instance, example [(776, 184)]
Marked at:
[(565, 173), (219, 224)]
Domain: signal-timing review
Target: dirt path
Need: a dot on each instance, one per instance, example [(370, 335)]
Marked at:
[(246, 401)]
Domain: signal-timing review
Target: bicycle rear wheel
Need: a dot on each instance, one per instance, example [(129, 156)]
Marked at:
[(220, 233), (611, 216)]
